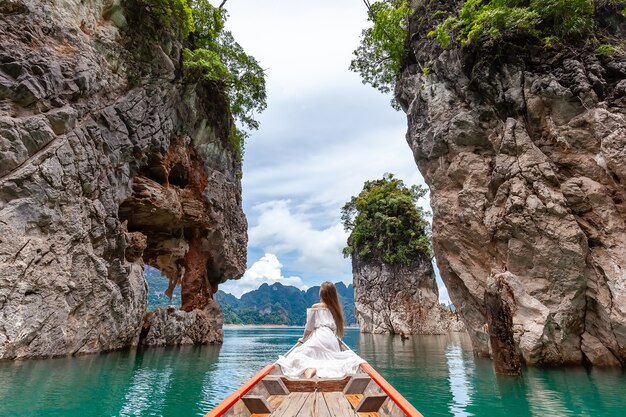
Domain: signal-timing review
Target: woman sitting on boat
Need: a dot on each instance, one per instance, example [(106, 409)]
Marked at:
[(320, 353)]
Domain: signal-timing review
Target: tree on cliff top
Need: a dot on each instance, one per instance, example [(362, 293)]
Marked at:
[(222, 59), (214, 55), (386, 224), (380, 57)]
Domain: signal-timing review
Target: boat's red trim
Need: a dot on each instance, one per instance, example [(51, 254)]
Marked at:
[(404, 405), (222, 407)]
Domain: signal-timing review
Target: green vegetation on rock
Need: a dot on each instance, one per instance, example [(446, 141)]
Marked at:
[(386, 224), (380, 57), (488, 22), (178, 10), (220, 58), (214, 55), (605, 50), (383, 52)]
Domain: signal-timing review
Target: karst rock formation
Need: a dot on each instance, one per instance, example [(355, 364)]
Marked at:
[(525, 157), (109, 158), (398, 299)]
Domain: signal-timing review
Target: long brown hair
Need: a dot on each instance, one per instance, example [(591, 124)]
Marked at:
[(328, 296)]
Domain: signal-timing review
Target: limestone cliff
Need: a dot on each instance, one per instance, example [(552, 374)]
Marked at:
[(109, 157), (396, 299), (395, 290), (525, 158)]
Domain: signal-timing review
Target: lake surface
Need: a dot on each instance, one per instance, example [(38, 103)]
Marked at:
[(437, 374)]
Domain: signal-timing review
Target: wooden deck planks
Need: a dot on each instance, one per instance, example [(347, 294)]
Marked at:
[(338, 405), (290, 407), (354, 399), (308, 406), (321, 408), (314, 404), (275, 401)]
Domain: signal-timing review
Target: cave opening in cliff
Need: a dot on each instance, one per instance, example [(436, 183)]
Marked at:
[(156, 238), (178, 176), (158, 290), (165, 220)]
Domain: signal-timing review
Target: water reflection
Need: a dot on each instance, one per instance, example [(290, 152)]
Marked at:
[(190, 365), (61, 387), (542, 400), (438, 374), (148, 389), (432, 372), (459, 377), (166, 380), (574, 392)]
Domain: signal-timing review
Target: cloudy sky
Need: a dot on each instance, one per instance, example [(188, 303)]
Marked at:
[(322, 136)]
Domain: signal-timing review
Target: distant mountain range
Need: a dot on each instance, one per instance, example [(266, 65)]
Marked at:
[(157, 284), (279, 304), (269, 304)]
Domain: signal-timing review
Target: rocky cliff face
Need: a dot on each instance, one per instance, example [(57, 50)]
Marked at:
[(397, 299), (525, 159), (109, 158)]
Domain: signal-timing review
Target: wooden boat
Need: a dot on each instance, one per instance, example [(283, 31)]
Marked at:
[(271, 394)]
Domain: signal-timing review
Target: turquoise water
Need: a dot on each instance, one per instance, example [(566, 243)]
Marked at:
[(437, 374)]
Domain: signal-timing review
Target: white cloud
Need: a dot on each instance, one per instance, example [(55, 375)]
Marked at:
[(303, 45), (330, 175), (280, 230), (267, 270), (323, 134)]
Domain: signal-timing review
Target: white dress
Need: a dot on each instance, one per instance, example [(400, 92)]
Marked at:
[(320, 349)]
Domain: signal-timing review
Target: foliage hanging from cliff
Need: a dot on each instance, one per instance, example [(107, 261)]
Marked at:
[(488, 22), (386, 224), (178, 10), (380, 56), (216, 56), (223, 60)]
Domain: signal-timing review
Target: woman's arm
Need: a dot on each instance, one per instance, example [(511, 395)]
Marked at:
[(310, 324)]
